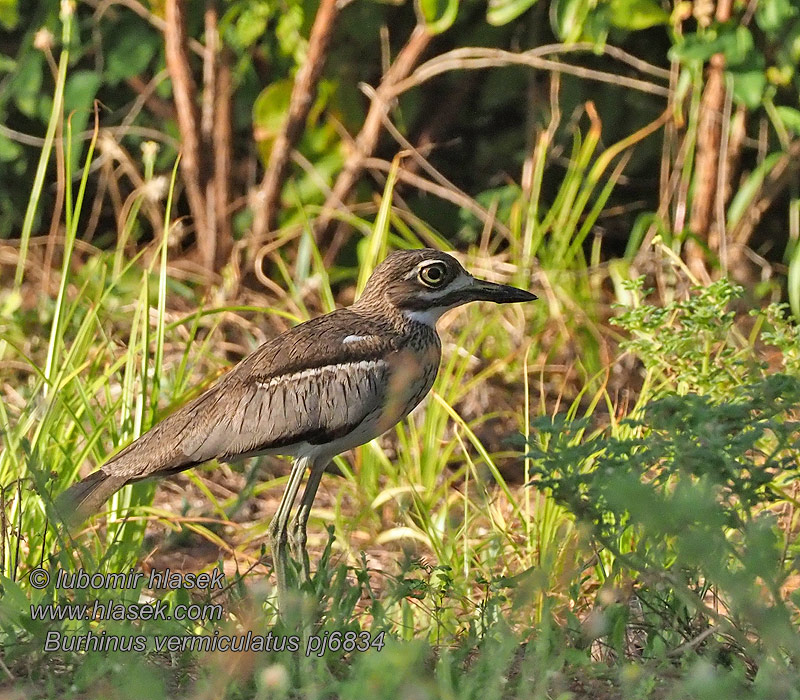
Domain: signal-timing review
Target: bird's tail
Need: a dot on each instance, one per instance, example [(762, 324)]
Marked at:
[(83, 499)]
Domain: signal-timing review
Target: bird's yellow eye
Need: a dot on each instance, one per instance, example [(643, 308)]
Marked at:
[(432, 275)]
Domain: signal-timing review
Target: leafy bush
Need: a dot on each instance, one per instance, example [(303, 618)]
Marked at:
[(681, 494)]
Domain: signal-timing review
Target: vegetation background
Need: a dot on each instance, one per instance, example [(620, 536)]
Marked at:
[(598, 500)]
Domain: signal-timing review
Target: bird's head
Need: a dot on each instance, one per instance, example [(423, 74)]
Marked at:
[(423, 284)]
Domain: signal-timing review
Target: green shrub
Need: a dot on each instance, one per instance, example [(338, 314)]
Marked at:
[(682, 494)]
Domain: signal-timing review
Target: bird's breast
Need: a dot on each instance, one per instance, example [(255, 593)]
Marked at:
[(410, 376)]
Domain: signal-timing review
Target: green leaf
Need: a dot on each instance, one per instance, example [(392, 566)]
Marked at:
[(790, 51), (79, 94), (749, 188), (773, 15), (568, 18), (735, 43), (9, 15), (500, 12), (9, 150), (438, 15), (27, 83), (130, 54), (252, 24), (269, 112), (7, 64), (790, 118), (287, 32), (80, 90), (637, 14), (748, 86), (744, 64)]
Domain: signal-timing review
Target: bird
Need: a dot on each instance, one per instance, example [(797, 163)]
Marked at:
[(319, 389)]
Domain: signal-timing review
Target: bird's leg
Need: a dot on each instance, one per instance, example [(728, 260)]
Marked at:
[(298, 537), (278, 528)]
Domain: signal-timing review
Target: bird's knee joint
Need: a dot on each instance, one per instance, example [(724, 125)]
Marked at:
[(300, 536), (277, 535)]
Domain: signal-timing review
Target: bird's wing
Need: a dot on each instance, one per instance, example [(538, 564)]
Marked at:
[(314, 383)]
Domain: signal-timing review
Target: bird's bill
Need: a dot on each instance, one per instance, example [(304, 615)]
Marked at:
[(499, 293)]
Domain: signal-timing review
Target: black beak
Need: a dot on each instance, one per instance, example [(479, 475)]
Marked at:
[(499, 293)]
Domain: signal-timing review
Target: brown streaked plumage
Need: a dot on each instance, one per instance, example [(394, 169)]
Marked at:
[(320, 388)]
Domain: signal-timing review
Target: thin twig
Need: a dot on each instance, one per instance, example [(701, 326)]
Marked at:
[(308, 167), (423, 162), (6, 670), (367, 139), (145, 14), (449, 194), (111, 151), (695, 641), (463, 59), (472, 58), (776, 181), (668, 147), (97, 206), (142, 131), (144, 96)]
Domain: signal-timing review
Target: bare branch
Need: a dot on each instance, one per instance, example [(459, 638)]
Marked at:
[(303, 95), (222, 140), (449, 194), (709, 140), (145, 14), (184, 91), (472, 58), (399, 79), (207, 239), (779, 177), (367, 139)]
